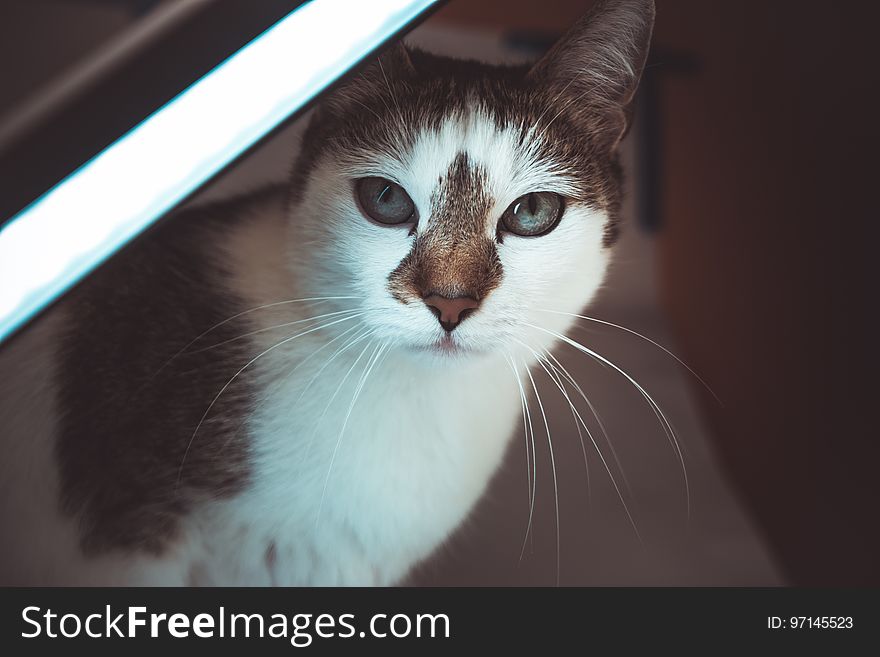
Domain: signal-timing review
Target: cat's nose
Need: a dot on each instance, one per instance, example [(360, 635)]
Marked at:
[(451, 312)]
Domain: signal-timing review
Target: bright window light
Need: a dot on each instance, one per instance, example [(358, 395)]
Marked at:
[(76, 225)]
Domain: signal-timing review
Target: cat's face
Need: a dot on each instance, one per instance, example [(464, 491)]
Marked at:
[(459, 202)]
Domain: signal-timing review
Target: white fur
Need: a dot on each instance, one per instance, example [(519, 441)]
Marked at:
[(427, 431)]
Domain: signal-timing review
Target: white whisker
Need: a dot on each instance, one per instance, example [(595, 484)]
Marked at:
[(643, 337), (620, 496), (595, 413), (577, 426), (290, 374), (661, 417), (365, 333), (371, 363), (531, 464), (337, 313), (553, 468), (236, 316), (332, 397), (235, 376)]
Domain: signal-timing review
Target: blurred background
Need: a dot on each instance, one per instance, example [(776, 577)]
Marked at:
[(747, 250)]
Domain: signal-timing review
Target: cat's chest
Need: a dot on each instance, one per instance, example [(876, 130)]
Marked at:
[(359, 472)]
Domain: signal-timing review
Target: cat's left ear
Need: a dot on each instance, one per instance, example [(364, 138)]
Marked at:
[(396, 61), (594, 69), (391, 65)]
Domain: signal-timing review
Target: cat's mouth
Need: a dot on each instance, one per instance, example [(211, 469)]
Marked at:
[(445, 346)]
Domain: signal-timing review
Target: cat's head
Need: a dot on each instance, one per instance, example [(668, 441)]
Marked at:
[(457, 202)]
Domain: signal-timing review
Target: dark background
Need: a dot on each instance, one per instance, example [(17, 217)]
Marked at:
[(766, 265)]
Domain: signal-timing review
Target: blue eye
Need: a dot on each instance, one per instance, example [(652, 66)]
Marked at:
[(533, 214), (384, 201)]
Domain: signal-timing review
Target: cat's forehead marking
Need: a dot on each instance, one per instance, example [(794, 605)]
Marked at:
[(453, 254), (461, 201)]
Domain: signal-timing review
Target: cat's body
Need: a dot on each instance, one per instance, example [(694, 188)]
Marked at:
[(388, 501), (259, 391)]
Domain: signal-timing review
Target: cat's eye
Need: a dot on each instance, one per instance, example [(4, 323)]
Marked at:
[(533, 214), (385, 201)]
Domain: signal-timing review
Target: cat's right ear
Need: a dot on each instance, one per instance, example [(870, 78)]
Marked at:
[(594, 70), (376, 78)]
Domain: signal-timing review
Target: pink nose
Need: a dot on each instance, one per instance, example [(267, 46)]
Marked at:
[(451, 312)]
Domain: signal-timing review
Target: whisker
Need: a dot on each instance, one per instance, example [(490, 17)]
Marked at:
[(531, 468), (595, 413), (553, 468), (356, 312), (235, 376), (658, 412), (365, 333), (620, 496), (374, 358), (643, 337), (288, 376), (236, 316), (333, 397), (577, 426)]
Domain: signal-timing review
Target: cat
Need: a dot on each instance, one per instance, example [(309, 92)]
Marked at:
[(313, 383)]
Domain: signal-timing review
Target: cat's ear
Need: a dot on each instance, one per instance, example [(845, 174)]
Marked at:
[(375, 78), (395, 61), (594, 69)]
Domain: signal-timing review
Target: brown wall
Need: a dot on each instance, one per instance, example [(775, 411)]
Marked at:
[(764, 263)]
